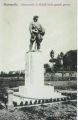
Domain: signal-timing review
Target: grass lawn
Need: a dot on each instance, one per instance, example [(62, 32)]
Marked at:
[(65, 85), (59, 111)]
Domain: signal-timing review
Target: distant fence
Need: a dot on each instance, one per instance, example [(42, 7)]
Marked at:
[(61, 76), (16, 81)]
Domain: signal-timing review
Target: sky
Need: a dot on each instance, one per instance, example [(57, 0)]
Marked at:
[(60, 32)]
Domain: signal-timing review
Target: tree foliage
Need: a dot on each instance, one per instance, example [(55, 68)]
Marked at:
[(63, 61), (70, 60)]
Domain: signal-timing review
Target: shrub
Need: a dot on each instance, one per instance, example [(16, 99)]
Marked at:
[(14, 103), (30, 102), (21, 104), (35, 102), (26, 103), (39, 101)]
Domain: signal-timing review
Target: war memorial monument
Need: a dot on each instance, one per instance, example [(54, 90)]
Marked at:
[(34, 90)]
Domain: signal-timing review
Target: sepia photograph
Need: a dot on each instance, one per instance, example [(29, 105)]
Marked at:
[(38, 60)]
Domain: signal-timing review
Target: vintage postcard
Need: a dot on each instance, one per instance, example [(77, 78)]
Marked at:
[(38, 60)]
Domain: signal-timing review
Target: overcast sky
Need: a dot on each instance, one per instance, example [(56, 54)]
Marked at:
[(60, 32)]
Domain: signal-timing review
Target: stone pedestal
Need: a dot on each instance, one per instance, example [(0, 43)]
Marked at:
[(34, 78), (34, 69)]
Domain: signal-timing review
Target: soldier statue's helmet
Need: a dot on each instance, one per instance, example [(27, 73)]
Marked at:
[(35, 17)]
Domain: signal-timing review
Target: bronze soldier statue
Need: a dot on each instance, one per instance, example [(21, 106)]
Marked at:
[(37, 33)]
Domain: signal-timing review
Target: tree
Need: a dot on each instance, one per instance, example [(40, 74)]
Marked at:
[(59, 62), (70, 60), (47, 68), (2, 74), (52, 54)]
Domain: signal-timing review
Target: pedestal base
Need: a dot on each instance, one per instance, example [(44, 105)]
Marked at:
[(39, 92)]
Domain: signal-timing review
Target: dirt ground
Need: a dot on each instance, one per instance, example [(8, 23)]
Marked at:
[(57, 111)]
